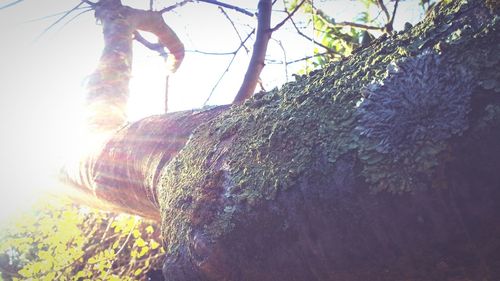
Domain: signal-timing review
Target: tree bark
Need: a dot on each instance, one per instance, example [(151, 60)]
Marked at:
[(257, 62), (381, 167), (103, 175)]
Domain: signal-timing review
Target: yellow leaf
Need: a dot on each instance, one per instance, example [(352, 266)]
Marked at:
[(133, 253), (26, 272), (140, 242), (114, 278), (136, 233), (154, 244), (50, 276), (137, 272), (150, 229), (144, 250)]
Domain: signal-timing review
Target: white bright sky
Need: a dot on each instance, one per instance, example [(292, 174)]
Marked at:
[(41, 79)]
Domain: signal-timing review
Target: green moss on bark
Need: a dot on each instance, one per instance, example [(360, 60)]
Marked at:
[(254, 152)]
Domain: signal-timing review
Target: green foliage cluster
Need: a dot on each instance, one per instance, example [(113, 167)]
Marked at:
[(66, 242), (335, 39)]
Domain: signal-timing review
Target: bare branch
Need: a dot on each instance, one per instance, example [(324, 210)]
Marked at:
[(75, 16), (288, 16), (228, 66), (353, 24), (384, 9), (176, 5), (92, 4), (11, 4), (153, 22), (285, 61), (308, 57), (157, 47), (390, 24), (312, 40), (212, 53), (51, 15), (331, 24), (234, 27), (221, 4), (259, 52), (59, 20)]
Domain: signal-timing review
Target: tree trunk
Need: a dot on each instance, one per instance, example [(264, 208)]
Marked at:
[(109, 169), (384, 166)]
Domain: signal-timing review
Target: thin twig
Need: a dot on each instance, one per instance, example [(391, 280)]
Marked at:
[(123, 245), (225, 5), (59, 20), (261, 85), (288, 16), (391, 21), (51, 16), (384, 9), (234, 27), (332, 24), (92, 4), (11, 4), (106, 230), (308, 57), (354, 24), (285, 62), (74, 17), (227, 68), (176, 5), (211, 53), (311, 39)]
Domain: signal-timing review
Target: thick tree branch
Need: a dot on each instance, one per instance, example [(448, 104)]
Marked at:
[(153, 22), (157, 47), (259, 52)]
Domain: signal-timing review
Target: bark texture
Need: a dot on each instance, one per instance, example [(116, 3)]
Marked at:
[(114, 167), (384, 166), (257, 62)]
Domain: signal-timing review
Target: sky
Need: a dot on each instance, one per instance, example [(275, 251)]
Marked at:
[(42, 77)]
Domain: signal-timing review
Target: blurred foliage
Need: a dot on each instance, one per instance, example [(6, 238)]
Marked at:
[(65, 242)]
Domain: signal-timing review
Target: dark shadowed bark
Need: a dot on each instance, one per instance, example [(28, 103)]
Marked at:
[(384, 166)]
